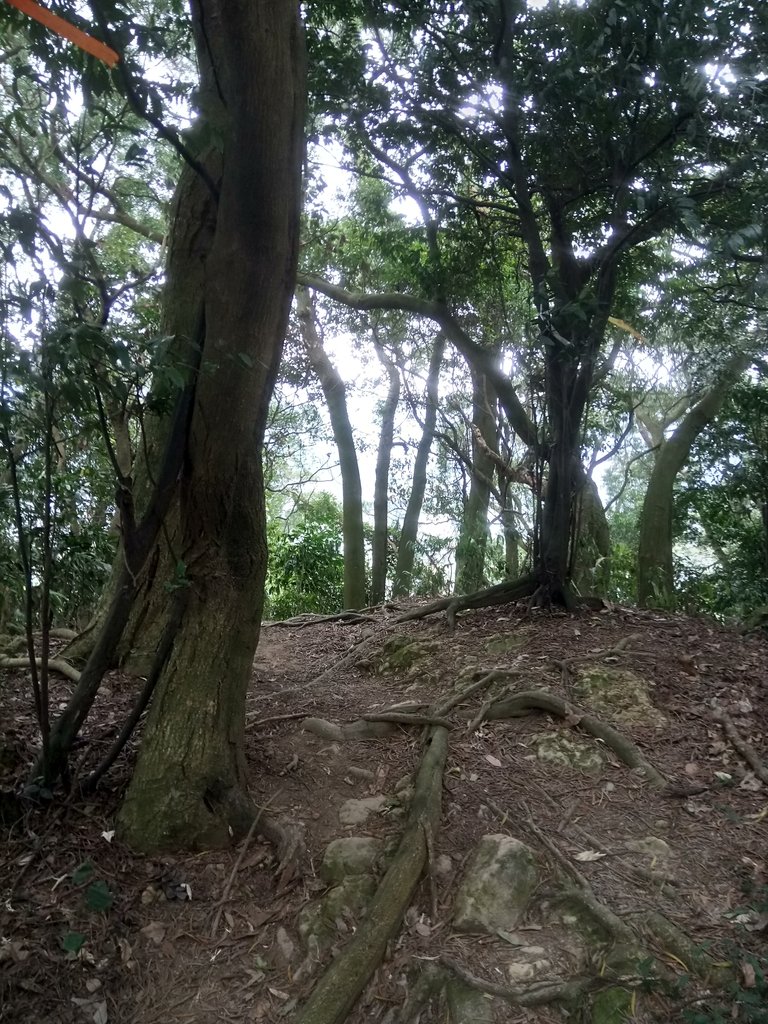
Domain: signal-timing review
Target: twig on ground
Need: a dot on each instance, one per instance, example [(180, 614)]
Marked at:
[(747, 751), (257, 723), (230, 881)]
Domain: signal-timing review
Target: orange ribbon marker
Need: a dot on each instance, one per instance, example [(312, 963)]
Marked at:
[(63, 28)]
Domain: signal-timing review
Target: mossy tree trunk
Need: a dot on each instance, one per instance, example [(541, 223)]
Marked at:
[(655, 577), (334, 392), (190, 770)]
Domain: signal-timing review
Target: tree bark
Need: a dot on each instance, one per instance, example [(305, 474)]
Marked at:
[(402, 583), (334, 391), (473, 536), (381, 484), (591, 569), (655, 578), (190, 768)]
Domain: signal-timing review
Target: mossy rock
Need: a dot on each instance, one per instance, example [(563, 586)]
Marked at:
[(350, 856), (497, 886), (504, 643), (619, 694), (612, 1006), (557, 749), (466, 1005), (318, 922), (402, 655), (579, 920)]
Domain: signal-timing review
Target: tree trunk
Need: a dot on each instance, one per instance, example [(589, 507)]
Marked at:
[(334, 391), (190, 771), (591, 570), (473, 536), (406, 549), (655, 579), (381, 485)]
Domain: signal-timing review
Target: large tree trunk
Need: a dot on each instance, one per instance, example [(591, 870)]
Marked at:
[(655, 578), (187, 786), (334, 391), (406, 549), (381, 484), (564, 413), (473, 536)]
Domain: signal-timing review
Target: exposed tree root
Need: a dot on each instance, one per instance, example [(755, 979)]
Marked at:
[(312, 619), (401, 718), (244, 817), (54, 665), (537, 994), (747, 751), (539, 700), (502, 593), (338, 989), (359, 730)]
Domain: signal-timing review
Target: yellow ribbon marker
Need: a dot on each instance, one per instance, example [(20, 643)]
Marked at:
[(63, 28)]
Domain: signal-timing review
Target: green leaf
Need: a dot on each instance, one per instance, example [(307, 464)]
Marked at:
[(72, 942), (82, 873), (98, 897)]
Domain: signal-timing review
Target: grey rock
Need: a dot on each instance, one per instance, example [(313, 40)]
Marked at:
[(352, 855), (355, 812), (497, 886)]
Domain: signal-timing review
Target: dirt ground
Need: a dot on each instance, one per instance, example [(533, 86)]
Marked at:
[(91, 933)]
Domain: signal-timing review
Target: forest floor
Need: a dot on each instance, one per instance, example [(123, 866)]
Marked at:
[(91, 933)]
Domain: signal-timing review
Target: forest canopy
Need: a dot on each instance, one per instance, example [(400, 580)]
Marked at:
[(399, 301)]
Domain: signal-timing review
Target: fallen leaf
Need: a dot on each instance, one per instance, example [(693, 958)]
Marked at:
[(748, 974), (589, 855), (109, 836), (126, 952), (750, 783), (154, 931), (493, 760)]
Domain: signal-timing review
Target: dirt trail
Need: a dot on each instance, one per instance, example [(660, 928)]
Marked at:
[(154, 954)]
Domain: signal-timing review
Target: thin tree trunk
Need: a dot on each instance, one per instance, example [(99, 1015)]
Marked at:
[(406, 549), (187, 787), (352, 497), (473, 536), (381, 485), (655, 579)]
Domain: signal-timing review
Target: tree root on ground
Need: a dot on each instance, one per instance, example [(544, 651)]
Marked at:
[(378, 724), (538, 700), (434, 976), (748, 752), (338, 989), (54, 665), (244, 817), (536, 994), (502, 593), (312, 619)]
